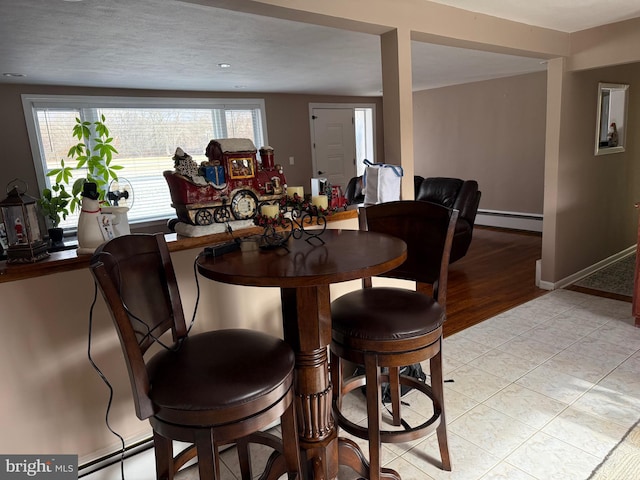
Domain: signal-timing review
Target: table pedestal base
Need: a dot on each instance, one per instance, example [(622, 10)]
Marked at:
[(351, 456)]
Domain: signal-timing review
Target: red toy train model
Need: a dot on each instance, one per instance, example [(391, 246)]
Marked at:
[(232, 184)]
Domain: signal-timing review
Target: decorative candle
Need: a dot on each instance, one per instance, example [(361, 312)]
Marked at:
[(270, 210), (320, 201), (291, 191)]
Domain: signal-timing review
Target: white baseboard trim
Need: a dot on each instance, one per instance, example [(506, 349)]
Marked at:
[(582, 273), (531, 222)]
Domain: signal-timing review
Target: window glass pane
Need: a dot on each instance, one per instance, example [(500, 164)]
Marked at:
[(55, 134), (55, 139), (243, 124), (364, 138), (146, 139)]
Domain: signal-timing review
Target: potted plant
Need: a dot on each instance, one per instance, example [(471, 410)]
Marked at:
[(93, 153), (54, 203)]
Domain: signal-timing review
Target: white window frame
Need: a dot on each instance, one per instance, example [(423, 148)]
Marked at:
[(31, 101)]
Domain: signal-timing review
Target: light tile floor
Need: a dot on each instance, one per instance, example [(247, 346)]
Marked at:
[(541, 392)]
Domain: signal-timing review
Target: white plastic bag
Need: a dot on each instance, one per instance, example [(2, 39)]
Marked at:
[(382, 182)]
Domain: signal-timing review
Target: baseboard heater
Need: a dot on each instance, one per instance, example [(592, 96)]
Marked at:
[(129, 451), (531, 222), (114, 457)]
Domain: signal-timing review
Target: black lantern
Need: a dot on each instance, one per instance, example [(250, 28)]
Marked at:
[(23, 225)]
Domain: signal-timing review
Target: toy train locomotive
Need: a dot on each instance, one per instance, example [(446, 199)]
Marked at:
[(232, 184)]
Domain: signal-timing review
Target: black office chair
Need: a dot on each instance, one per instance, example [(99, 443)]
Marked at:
[(383, 327)]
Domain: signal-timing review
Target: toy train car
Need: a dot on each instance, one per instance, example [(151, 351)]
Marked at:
[(231, 185)]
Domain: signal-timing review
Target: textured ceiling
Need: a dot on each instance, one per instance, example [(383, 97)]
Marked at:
[(167, 44), (563, 15)]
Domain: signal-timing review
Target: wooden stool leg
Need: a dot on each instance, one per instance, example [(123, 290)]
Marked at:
[(437, 387), (336, 379), (372, 372), (244, 458), (394, 390), (208, 462), (164, 457), (289, 427)]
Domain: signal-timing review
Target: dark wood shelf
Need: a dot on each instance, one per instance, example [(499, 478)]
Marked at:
[(69, 260)]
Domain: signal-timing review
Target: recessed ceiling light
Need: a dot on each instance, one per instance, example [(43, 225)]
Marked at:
[(10, 74), (224, 65), (239, 86)]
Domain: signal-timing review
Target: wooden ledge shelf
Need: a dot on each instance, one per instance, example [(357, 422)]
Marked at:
[(68, 260)]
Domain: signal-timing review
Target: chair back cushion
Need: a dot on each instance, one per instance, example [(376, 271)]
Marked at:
[(137, 280), (427, 229), (440, 190)]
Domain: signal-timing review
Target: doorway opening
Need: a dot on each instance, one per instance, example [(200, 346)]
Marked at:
[(342, 137)]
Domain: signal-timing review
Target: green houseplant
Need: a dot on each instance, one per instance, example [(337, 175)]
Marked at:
[(93, 153), (54, 203)]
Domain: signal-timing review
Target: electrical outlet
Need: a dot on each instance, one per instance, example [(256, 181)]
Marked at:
[(291, 161)]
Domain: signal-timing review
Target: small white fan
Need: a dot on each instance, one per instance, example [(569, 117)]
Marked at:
[(120, 193)]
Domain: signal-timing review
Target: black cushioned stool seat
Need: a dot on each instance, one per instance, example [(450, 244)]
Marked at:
[(243, 368), (384, 313)]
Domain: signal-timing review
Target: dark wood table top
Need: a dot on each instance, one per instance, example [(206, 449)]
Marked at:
[(345, 255)]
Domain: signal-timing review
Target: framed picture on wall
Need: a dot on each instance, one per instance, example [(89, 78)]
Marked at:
[(611, 123)]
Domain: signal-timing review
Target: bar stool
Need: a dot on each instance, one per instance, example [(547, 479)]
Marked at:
[(207, 389), (393, 327)]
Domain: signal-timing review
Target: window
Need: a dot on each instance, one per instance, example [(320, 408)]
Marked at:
[(146, 133), (364, 137)]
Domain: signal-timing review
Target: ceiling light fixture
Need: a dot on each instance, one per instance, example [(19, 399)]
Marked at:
[(224, 65), (10, 74)]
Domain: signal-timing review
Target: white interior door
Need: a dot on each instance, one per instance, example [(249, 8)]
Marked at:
[(334, 143)]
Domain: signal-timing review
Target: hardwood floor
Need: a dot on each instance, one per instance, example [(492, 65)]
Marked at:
[(497, 274)]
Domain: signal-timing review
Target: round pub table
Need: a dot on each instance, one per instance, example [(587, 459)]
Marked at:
[(304, 271)]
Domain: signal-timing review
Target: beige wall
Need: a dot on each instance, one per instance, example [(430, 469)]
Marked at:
[(588, 201), (491, 131), (287, 125), (594, 215)]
